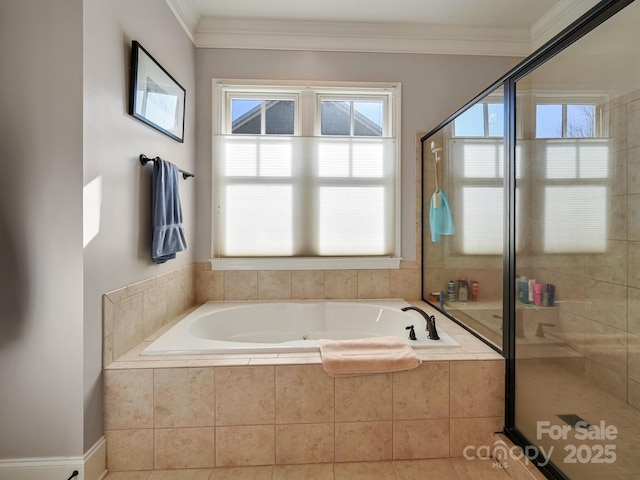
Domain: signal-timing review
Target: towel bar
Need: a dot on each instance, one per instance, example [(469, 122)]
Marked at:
[(144, 159)]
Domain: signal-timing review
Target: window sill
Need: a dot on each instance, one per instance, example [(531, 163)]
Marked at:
[(347, 263)]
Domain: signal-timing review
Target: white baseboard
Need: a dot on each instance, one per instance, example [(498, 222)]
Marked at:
[(91, 466)]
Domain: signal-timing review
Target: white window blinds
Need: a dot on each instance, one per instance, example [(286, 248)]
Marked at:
[(292, 196)]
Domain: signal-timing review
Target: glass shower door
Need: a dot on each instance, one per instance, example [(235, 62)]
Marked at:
[(577, 388), (463, 170)]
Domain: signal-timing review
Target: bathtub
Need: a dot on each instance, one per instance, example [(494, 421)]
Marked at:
[(292, 326)]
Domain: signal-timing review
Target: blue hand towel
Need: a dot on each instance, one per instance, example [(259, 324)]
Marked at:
[(168, 235), (440, 219)]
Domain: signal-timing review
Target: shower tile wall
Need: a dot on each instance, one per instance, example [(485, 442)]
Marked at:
[(599, 295)]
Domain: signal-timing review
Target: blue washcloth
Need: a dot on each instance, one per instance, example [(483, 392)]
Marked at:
[(440, 219), (168, 236)]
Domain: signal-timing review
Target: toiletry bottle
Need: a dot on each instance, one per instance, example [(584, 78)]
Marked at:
[(537, 294), (523, 290), (475, 290), (551, 290), (530, 293), (463, 292), (451, 291)]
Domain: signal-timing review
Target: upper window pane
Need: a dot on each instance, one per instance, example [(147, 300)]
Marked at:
[(566, 120), (496, 119), (361, 118), (279, 117), (336, 117), (470, 123), (581, 121), (246, 116), (548, 121), (367, 119)]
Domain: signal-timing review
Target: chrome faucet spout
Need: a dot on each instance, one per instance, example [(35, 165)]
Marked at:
[(430, 319)]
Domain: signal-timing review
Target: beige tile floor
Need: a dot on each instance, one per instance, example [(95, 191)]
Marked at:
[(434, 469)]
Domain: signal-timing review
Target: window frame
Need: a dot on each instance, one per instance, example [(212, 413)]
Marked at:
[(307, 114)]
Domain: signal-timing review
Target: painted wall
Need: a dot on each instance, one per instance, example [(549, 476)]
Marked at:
[(117, 188), (41, 347), (433, 87), (68, 142)]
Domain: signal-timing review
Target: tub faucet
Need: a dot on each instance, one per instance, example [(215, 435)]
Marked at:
[(431, 321)]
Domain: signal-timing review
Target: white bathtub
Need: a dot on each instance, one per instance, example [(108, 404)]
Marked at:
[(293, 326)]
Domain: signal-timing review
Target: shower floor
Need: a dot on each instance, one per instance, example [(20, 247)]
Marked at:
[(545, 390)]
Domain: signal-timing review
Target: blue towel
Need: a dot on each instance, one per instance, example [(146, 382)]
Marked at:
[(440, 219), (168, 236)]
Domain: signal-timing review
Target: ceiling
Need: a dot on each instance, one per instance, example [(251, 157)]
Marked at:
[(476, 27)]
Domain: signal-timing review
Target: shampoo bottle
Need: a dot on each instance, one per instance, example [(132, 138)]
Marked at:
[(537, 294), (523, 290)]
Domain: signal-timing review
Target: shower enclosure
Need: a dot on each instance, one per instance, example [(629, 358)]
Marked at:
[(542, 176)]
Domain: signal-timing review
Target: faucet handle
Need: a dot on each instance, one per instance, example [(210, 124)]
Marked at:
[(412, 332)]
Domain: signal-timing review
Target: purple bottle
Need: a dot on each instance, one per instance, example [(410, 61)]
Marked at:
[(551, 293)]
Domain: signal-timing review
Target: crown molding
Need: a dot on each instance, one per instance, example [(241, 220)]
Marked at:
[(187, 14), (361, 37), (558, 18)]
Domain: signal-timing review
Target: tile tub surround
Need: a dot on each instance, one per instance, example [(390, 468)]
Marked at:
[(227, 285), (211, 411), (132, 313)]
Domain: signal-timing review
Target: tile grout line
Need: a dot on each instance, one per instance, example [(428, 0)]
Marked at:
[(215, 419), (449, 407), (153, 417), (393, 376), (275, 427)]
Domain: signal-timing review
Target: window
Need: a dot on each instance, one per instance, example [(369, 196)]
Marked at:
[(360, 118), (477, 178), (574, 187), (572, 170), (569, 114), (476, 169), (305, 172), (565, 120), (258, 116), (481, 120)]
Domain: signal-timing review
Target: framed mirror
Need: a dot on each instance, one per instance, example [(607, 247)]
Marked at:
[(156, 98)]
